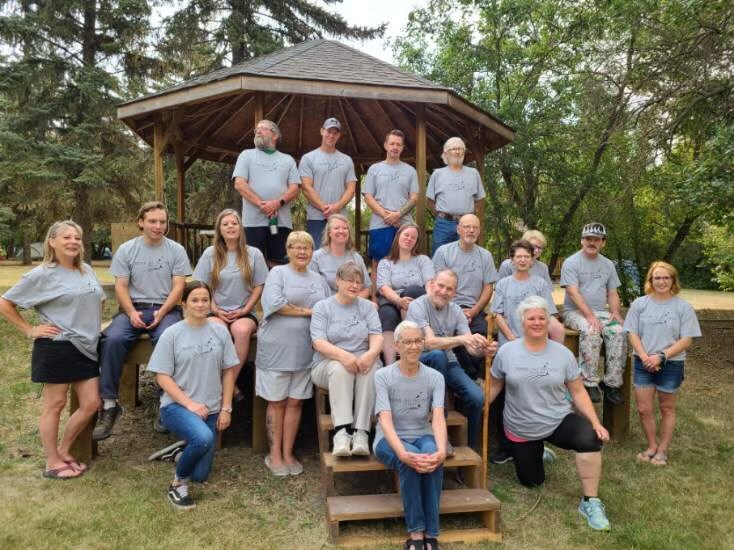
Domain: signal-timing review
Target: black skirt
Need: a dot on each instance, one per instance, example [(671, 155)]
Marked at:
[(60, 362)]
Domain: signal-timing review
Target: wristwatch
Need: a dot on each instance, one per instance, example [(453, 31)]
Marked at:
[(282, 202)]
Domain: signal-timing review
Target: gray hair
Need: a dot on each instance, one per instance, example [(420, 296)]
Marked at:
[(405, 325), (532, 302), (450, 144), (274, 128)]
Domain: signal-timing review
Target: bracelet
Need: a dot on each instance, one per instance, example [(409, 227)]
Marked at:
[(226, 409), (663, 358)]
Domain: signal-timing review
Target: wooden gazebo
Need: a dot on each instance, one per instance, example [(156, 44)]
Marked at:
[(213, 117)]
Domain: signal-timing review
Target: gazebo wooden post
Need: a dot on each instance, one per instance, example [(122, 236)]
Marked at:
[(259, 109), (478, 153), (420, 167), (180, 191), (158, 156), (358, 207)]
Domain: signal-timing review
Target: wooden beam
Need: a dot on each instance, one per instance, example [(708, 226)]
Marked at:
[(180, 186), (350, 134), (358, 208), (172, 129), (479, 161), (420, 166), (259, 107), (189, 161), (158, 157)]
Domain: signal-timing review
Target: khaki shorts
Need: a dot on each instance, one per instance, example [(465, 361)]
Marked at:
[(273, 385)]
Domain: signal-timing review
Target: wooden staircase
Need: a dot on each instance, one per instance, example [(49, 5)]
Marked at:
[(471, 500)]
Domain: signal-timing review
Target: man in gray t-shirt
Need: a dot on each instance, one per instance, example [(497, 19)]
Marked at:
[(150, 274), (268, 182), (327, 179), (452, 191), (475, 268), (591, 283)]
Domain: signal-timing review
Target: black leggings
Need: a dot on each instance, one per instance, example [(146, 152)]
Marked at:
[(573, 433)]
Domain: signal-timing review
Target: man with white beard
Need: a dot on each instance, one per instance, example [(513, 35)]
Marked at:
[(452, 191), (268, 182)]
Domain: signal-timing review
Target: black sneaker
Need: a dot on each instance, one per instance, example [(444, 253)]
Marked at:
[(169, 453), (105, 422), (179, 496), (613, 395), (500, 456), (158, 425), (594, 393)]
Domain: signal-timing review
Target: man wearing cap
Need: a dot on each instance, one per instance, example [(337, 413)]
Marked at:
[(391, 191), (327, 180), (453, 191), (268, 182), (591, 283)]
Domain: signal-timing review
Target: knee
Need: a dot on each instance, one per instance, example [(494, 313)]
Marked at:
[(667, 410), (203, 439), (643, 408), (90, 406), (531, 479), (587, 441), (55, 405), (294, 404), (436, 359), (242, 331)]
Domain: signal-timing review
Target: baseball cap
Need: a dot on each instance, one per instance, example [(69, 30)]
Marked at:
[(331, 123), (594, 230)]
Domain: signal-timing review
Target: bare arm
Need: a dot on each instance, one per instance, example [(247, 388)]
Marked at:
[(294, 311), (443, 342), (9, 310), (347, 196), (583, 404), (375, 206), (122, 293), (168, 385), (478, 204), (252, 300), (615, 307), (225, 416), (495, 387), (504, 327), (431, 205), (335, 353), (482, 302), (310, 193), (242, 186)]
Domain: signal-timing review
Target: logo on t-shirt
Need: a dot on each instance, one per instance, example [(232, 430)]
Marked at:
[(536, 373)]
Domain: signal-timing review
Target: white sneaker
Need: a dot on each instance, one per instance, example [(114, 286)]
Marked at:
[(342, 443), (361, 444)]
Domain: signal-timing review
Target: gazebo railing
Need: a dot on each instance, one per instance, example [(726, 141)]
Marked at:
[(194, 237)]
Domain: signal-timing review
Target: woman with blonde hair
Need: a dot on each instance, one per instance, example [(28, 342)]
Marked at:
[(236, 273), (68, 298), (661, 327)]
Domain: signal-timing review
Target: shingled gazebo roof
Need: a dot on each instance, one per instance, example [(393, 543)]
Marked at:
[(212, 116)]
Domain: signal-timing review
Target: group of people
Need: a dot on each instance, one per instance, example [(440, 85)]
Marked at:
[(427, 325)]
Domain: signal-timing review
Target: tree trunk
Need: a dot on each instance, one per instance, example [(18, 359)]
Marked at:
[(26, 249), (683, 230)]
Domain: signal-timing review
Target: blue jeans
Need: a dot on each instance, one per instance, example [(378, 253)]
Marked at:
[(458, 382), (315, 228), (201, 440), (117, 341), (421, 493), (667, 380), (444, 231)]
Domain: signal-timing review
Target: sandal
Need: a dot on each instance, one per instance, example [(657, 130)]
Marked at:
[(55, 473), (76, 465), (432, 541), (412, 544), (660, 459), (646, 456)]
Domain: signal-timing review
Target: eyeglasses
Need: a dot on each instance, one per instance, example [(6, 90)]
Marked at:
[(662, 278), (300, 248), (412, 343), (538, 247), (456, 150)]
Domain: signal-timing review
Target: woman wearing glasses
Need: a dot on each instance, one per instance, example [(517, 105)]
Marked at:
[(661, 327), (537, 268)]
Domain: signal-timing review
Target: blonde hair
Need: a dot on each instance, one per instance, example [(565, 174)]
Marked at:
[(298, 237), (535, 234), (675, 287), (326, 237), (49, 252), (220, 251)]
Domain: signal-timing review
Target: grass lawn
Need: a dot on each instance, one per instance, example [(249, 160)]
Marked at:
[(121, 502)]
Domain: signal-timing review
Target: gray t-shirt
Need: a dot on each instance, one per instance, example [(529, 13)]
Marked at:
[(536, 396), (538, 268), (284, 341), (446, 322), (455, 191), (594, 278), (475, 269), (509, 292), (149, 269), (330, 173), (347, 326), (232, 292), (391, 186), (660, 324), (410, 400), (268, 175), (326, 264), (65, 298), (401, 274), (195, 358)]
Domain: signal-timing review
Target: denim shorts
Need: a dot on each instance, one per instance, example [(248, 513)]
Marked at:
[(667, 380)]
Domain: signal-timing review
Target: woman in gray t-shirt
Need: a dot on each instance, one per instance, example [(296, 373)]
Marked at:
[(541, 380), (236, 274), (661, 327), (67, 297)]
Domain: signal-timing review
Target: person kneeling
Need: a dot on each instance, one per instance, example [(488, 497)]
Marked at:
[(411, 434), (193, 363), (538, 374)]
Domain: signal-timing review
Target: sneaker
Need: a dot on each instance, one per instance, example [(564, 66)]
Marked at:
[(593, 511), (594, 393), (549, 456), (342, 443), (158, 425), (360, 444), (179, 496), (500, 456), (105, 422), (613, 395), (277, 471), (169, 453)]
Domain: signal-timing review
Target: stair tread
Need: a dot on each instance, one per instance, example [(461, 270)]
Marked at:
[(464, 456)]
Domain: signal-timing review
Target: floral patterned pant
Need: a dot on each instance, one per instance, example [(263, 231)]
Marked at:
[(614, 339)]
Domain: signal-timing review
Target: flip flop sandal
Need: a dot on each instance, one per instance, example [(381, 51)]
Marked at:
[(660, 459), (433, 543), (646, 456), (412, 544), (77, 466), (54, 473)]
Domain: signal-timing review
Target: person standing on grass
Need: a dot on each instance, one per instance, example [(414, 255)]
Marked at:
[(236, 274), (68, 298), (150, 274), (543, 385), (194, 365), (660, 327), (411, 434)]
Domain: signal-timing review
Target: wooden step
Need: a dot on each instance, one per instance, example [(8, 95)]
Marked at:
[(454, 418), (463, 457), (467, 536), (456, 501)]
